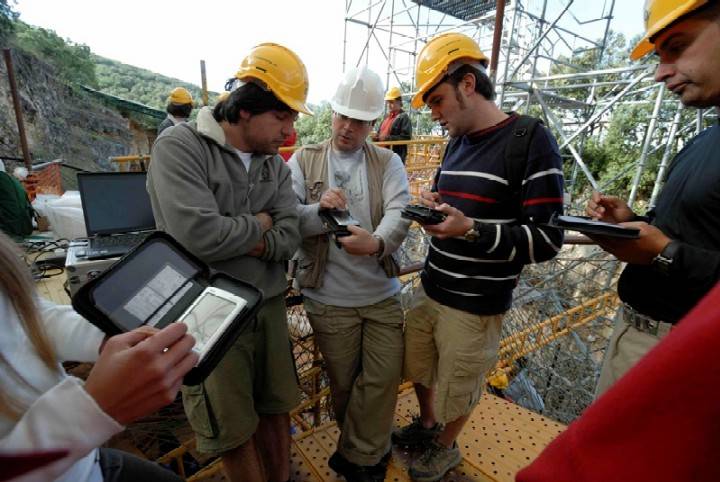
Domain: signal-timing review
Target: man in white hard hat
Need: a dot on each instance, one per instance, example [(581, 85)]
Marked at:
[(351, 289), (676, 259)]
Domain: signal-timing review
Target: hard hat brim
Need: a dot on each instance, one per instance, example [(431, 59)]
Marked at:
[(417, 100), (294, 105), (390, 97), (355, 113), (643, 48)]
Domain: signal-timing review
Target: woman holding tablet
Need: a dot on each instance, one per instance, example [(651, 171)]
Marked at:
[(42, 408)]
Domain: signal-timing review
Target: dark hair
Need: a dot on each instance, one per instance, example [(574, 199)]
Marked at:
[(179, 110), (251, 98), (483, 85)]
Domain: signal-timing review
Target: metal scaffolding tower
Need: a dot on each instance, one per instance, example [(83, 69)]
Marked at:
[(551, 60)]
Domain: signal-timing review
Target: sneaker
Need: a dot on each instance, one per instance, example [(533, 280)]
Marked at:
[(415, 434), (435, 462), (357, 473)]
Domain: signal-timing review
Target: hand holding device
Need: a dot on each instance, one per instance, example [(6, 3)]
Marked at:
[(610, 209), (137, 373), (430, 199), (337, 222), (422, 214)]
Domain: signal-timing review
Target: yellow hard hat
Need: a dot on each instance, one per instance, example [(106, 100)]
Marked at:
[(281, 70), (437, 55), (180, 95), (222, 96), (393, 93), (659, 14)]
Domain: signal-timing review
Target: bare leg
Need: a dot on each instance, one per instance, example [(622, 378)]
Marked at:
[(452, 430), (426, 397), (243, 463), (273, 438)]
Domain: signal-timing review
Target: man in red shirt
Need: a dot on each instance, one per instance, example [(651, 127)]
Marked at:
[(396, 126)]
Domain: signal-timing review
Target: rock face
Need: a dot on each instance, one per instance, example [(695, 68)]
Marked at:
[(62, 121)]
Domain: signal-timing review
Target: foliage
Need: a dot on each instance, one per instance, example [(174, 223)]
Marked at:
[(141, 85), (73, 62), (7, 19), (316, 128)]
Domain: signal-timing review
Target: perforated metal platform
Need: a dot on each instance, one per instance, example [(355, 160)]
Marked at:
[(499, 439)]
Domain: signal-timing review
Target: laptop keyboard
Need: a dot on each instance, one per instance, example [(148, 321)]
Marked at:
[(113, 246), (129, 240)]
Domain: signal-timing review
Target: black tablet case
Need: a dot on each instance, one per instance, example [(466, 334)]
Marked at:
[(125, 278), (590, 226)]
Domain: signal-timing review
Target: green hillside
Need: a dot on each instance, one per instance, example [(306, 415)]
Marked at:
[(76, 64), (138, 84)]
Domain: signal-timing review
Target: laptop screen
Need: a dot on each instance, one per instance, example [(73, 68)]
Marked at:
[(115, 203)]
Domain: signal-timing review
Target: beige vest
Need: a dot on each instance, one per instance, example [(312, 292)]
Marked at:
[(313, 252)]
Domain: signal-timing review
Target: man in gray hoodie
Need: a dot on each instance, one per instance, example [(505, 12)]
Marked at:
[(220, 188), (351, 289)]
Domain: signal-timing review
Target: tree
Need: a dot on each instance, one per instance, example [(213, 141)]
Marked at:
[(7, 19), (316, 128), (73, 61)]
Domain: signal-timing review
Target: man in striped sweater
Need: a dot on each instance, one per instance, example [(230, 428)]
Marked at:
[(499, 181)]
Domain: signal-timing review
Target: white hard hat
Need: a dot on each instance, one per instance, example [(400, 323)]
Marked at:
[(360, 95)]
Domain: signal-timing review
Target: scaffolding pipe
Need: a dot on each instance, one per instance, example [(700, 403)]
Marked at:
[(646, 146), (347, 9), (507, 55), (666, 155), (607, 107), (203, 80), (699, 122), (539, 40), (391, 64), (497, 37), (558, 126)]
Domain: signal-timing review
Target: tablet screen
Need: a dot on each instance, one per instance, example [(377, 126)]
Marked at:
[(207, 317)]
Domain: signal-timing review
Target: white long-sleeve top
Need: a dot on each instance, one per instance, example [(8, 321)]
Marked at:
[(60, 413), (351, 280)]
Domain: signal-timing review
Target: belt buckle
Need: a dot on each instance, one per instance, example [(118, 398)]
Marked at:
[(641, 322)]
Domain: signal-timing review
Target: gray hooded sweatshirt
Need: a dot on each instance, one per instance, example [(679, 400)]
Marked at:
[(202, 195)]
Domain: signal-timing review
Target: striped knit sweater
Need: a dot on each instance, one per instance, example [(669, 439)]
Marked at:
[(479, 277)]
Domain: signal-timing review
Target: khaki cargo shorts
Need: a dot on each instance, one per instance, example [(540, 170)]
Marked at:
[(256, 377), (451, 350)]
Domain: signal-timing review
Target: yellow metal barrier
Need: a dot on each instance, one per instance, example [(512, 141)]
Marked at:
[(131, 163)]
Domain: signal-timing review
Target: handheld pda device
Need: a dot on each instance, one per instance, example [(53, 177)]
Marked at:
[(590, 226), (336, 221), (158, 283), (422, 214)]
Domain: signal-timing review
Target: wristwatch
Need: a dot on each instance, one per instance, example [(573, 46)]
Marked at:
[(473, 233), (664, 260)]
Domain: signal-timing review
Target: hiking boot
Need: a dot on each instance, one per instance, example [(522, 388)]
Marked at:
[(435, 462), (357, 473), (415, 435)]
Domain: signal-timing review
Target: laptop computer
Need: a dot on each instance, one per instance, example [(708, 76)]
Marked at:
[(117, 210)]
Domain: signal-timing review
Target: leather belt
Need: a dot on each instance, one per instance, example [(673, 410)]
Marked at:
[(645, 323)]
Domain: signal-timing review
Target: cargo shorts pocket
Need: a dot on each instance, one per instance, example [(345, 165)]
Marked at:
[(465, 384), (197, 409)]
